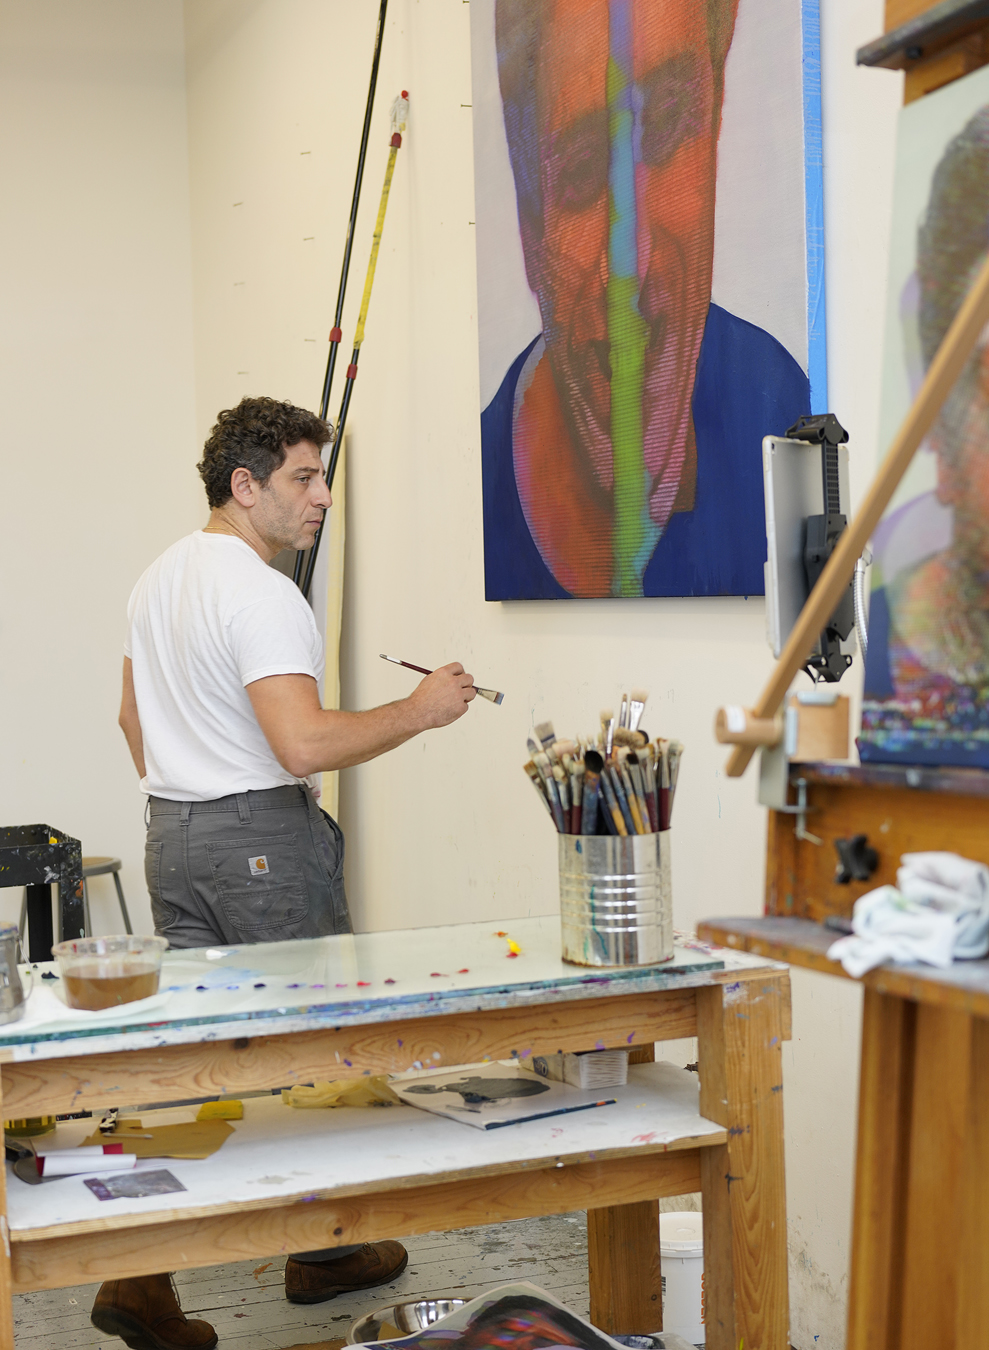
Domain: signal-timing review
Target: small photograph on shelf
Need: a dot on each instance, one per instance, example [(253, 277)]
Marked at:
[(926, 697), (489, 1096)]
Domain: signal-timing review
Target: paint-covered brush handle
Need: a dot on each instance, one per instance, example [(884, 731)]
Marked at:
[(589, 803), (397, 661), (612, 812)]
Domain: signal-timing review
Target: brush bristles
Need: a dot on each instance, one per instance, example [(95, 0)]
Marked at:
[(545, 732), (492, 695), (606, 715), (625, 737), (639, 696)]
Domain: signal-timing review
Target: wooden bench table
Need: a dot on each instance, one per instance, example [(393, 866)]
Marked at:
[(237, 1020), (920, 1235)]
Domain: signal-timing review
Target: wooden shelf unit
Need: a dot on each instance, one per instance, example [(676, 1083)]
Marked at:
[(920, 1235), (725, 1137), (900, 810), (933, 44)]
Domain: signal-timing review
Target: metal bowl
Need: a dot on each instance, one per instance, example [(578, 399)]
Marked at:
[(409, 1317)]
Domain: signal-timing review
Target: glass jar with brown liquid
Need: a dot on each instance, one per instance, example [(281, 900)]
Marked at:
[(106, 971)]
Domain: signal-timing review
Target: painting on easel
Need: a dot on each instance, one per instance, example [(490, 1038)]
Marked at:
[(926, 697), (650, 285)]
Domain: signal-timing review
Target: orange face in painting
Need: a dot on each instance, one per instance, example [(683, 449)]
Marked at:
[(959, 437), (564, 214)]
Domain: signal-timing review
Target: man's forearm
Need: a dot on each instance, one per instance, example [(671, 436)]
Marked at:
[(336, 740), (129, 721), (306, 738), (135, 742)]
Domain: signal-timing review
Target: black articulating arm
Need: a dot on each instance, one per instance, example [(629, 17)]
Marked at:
[(829, 663)]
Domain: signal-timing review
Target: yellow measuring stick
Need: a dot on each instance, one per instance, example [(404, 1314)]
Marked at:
[(396, 145)]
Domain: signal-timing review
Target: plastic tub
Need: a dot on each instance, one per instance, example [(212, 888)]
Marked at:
[(102, 972), (681, 1259)]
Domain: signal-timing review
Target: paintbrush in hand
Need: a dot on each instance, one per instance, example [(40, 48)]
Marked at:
[(492, 695)]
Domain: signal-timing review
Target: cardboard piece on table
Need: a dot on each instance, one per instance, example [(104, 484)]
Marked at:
[(193, 1139), (231, 1109)]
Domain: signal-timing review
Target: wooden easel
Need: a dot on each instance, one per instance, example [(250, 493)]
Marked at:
[(920, 1238), (932, 41)]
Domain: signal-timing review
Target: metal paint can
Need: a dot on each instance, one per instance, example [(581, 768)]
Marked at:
[(616, 901)]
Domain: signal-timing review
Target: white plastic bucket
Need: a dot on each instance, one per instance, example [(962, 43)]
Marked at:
[(681, 1258)]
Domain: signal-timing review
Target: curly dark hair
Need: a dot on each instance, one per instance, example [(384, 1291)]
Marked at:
[(254, 436)]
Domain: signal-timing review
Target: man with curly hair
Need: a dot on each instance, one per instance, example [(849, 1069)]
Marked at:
[(223, 719)]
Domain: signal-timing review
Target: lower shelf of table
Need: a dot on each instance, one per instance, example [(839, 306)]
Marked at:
[(295, 1180), (802, 942)]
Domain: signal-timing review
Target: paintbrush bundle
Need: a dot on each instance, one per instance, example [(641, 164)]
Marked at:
[(617, 783)]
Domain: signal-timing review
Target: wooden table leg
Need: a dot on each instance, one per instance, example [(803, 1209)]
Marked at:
[(973, 1265), (875, 1300), (623, 1268), (6, 1307), (740, 1033), (623, 1258), (936, 1179)]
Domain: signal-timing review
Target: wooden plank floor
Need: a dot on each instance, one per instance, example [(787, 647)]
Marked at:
[(246, 1304)]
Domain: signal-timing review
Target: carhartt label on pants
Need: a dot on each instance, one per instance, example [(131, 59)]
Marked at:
[(258, 865)]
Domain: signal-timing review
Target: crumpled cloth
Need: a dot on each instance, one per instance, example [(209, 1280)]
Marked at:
[(937, 912), (373, 1091)]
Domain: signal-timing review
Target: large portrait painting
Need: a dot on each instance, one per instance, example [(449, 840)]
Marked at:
[(927, 671), (650, 285)]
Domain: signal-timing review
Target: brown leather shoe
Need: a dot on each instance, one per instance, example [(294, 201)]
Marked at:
[(316, 1281), (145, 1312)]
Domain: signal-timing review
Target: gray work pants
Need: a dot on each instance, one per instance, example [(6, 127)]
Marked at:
[(253, 867)]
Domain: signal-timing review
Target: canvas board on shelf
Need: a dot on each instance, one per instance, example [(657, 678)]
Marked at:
[(489, 1096), (926, 698), (649, 229)]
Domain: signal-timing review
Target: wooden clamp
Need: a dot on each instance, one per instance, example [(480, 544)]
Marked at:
[(738, 726), (944, 370)]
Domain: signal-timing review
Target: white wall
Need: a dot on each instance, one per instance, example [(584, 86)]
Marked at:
[(446, 828), (100, 332), (821, 1062), (96, 377)]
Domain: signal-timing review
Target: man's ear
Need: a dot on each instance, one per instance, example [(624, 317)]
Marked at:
[(243, 487)]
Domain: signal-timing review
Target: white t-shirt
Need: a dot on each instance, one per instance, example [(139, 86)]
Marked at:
[(205, 620)]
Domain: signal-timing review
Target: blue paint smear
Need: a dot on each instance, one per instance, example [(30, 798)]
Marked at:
[(622, 247), (817, 345), (747, 386)]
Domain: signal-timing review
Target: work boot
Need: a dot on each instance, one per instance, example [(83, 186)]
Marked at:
[(145, 1312), (316, 1281)]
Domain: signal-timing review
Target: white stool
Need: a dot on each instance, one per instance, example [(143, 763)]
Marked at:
[(98, 867)]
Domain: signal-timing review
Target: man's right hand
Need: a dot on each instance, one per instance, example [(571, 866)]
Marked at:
[(444, 696)]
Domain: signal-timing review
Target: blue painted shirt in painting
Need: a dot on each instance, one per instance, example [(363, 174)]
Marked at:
[(747, 386)]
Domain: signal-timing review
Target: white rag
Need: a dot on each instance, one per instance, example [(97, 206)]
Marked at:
[(937, 912)]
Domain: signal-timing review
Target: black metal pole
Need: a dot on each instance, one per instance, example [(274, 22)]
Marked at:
[(331, 468), (336, 334)]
